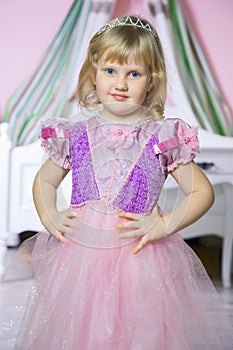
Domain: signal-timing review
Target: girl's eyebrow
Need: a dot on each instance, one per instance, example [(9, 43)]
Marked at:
[(139, 67), (133, 66)]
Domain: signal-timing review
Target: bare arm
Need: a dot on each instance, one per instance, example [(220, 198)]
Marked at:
[(199, 197), (45, 187)]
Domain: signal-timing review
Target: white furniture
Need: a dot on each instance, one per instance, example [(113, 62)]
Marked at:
[(219, 150), (218, 221), (20, 164)]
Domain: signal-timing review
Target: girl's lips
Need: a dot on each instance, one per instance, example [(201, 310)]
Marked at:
[(119, 97)]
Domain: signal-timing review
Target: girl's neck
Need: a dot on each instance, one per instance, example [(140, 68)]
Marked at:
[(138, 115)]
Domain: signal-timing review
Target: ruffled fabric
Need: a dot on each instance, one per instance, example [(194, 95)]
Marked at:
[(94, 295), (55, 141), (187, 143), (93, 292)]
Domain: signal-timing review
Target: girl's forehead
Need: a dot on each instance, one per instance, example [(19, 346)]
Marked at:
[(129, 59), (132, 65)]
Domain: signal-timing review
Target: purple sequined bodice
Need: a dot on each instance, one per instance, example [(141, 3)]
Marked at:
[(116, 164)]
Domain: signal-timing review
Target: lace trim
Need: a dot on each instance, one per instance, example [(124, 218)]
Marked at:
[(136, 124)]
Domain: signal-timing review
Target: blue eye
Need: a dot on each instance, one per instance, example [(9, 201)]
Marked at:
[(110, 71), (134, 74)]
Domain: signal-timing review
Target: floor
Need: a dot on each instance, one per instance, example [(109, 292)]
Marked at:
[(15, 286), (209, 251)]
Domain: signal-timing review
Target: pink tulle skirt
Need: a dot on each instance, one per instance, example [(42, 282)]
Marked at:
[(93, 293)]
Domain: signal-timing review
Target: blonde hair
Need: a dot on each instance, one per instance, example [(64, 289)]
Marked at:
[(117, 44)]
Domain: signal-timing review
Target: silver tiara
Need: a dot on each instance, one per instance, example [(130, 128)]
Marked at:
[(128, 21)]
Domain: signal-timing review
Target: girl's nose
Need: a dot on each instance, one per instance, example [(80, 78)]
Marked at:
[(121, 84)]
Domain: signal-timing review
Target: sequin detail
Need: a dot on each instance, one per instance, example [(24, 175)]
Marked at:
[(83, 181), (117, 163), (141, 191), (138, 192)]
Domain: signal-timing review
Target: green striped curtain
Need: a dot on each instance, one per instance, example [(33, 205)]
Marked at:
[(201, 88), (47, 90), (37, 97)]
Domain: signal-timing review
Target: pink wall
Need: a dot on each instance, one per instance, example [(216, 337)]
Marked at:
[(212, 22), (29, 26)]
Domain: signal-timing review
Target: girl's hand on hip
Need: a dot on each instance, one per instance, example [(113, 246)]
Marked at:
[(150, 227), (61, 223)]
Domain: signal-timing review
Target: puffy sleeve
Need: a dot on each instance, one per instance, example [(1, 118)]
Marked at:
[(178, 143), (55, 141)]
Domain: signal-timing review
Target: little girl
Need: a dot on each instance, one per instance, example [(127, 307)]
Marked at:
[(111, 272)]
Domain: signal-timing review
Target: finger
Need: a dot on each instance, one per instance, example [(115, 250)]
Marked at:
[(128, 224), (145, 239), (135, 233), (68, 222), (72, 224), (68, 231), (60, 237), (127, 215), (71, 213)]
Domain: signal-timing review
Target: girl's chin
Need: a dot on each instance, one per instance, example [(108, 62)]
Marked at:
[(121, 109)]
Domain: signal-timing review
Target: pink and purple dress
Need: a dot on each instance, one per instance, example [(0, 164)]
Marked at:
[(93, 293)]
